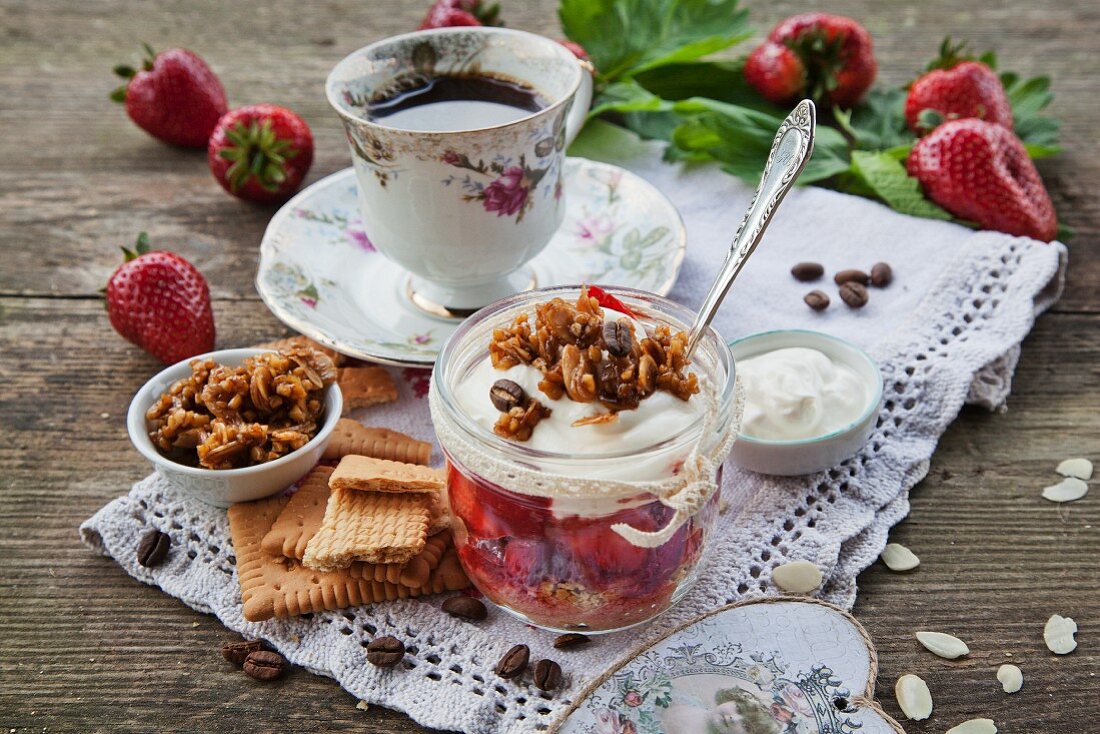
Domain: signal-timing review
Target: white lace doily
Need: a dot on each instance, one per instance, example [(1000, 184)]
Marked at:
[(946, 332)]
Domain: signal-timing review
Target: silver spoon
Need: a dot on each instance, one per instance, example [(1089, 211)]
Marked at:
[(788, 157)]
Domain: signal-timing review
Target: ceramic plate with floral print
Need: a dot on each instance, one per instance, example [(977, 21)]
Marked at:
[(320, 274), (766, 667)]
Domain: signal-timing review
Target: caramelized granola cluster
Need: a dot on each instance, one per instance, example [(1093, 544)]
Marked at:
[(588, 360), (227, 417)]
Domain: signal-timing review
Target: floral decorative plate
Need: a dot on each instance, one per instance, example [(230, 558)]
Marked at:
[(320, 275), (764, 667)]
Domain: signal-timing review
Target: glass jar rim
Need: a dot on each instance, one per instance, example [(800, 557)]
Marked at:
[(647, 305)]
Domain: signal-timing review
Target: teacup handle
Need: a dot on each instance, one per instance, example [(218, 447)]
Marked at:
[(582, 100)]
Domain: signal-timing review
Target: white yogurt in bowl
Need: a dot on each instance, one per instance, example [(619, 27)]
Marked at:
[(811, 401), (799, 392)]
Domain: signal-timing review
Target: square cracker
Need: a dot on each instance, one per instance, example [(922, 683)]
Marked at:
[(365, 386), (352, 437), (378, 527), (301, 519), (273, 586), (379, 475)]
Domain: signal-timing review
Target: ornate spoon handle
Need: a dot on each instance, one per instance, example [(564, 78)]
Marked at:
[(794, 142)]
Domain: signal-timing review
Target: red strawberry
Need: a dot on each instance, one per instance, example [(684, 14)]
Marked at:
[(835, 52), (776, 72), (491, 512), (260, 152), (161, 302), (175, 97), (576, 49), (606, 300), (956, 87), (452, 13), (981, 172)]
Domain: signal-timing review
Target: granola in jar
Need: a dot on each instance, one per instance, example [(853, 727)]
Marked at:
[(588, 354)]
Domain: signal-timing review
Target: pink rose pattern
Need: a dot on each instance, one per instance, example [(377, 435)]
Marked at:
[(503, 188), (507, 195), (359, 238)]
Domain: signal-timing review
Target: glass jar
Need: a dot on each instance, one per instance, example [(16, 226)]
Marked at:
[(553, 558)]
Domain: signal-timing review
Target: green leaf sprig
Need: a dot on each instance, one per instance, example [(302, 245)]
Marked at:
[(655, 79)]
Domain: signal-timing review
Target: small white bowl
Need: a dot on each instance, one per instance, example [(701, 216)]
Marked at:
[(224, 487), (808, 455)]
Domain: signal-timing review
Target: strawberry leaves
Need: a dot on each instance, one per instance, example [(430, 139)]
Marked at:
[(884, 177), (741, 138), (140, 247), (255, 151), (1029, 97), (626, 37), (128, 72)]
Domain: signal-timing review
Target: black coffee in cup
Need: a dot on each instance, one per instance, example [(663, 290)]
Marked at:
[(459, 102)]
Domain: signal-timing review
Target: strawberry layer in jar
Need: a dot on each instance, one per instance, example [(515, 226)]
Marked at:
[(583, 453)]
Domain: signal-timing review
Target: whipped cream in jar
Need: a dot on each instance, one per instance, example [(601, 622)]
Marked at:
[(592, 522)]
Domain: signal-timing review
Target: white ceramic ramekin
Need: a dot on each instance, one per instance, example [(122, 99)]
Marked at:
[(223, 487), (809, 455)]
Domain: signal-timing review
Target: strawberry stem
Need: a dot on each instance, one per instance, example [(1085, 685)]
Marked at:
[(823, 59), (140, 247), (150, 55), (256, 153)]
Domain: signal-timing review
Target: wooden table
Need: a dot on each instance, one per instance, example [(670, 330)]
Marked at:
[(85, 647)]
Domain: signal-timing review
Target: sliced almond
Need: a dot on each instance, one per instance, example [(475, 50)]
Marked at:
[(1011, 677), (899, 558), (1080, 468), (943, 645), (1067, 490), (797, 577), (914, 697), (974, 726), (1058, 634)]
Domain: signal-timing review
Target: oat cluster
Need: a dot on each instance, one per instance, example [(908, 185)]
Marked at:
[(223, 417), (589, 360)]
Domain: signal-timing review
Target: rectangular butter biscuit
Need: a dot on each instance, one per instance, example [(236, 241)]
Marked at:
[(377, 527)]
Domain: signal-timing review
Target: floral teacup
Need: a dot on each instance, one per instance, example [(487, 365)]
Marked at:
[(462, 210)]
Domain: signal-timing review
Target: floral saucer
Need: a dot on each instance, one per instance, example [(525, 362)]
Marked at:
[(320, 275), (760, 667)]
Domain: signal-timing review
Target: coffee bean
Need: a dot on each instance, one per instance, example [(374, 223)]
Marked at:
[(153, 548), (881, 275), (852, 276), (547, 675), (854, 294), (237, 652), (506, 395), (514, 662), (265, 665), (617, 337), (806, 272), (817, 300), (465, 607), (385, 652), (571, 639)]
